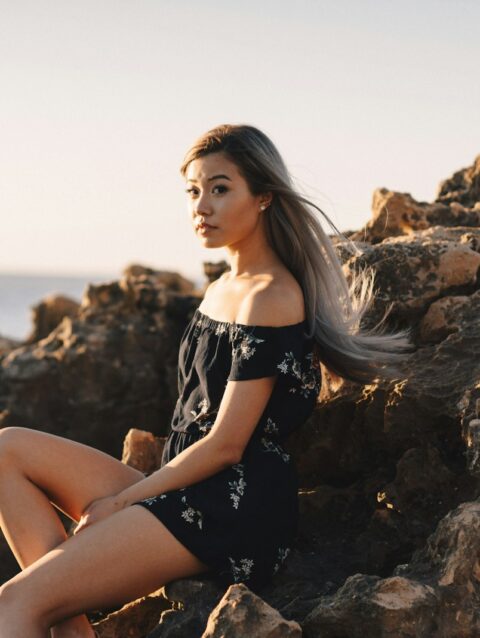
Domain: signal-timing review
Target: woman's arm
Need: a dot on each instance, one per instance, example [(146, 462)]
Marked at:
[(241, 407)]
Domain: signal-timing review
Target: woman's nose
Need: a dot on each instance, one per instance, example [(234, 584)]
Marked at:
[(202, 205)]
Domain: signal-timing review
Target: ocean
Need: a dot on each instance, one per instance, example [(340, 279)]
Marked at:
[(19, 292)]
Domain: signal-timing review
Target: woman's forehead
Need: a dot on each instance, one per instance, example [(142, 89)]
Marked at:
[(208, 166)]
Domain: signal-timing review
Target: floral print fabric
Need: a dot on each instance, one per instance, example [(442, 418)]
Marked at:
[(243, 520)]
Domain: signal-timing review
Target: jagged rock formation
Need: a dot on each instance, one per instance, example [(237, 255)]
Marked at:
[(436, 594), (389, 494), (110, 367), (7, 344), (48, 313)]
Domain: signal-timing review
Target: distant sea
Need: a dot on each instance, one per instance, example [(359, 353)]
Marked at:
[(19, 292)]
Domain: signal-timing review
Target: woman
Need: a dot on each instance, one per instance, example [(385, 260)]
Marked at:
[(225, 498)]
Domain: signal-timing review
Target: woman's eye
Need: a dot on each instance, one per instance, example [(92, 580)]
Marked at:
[(220, 186)]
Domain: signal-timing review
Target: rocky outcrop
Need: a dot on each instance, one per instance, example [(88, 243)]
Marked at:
[(136, 619), (463, 187), (389, 472), (111, 367), (7, 344), (171, 280), (48, 313), (241, 613), (393, 213), (435, 595)]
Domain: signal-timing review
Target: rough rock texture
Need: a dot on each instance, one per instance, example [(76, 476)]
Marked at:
[(241, 613), (142, 450), (7, 344), (171, 280), (110, 368), (47, 314), (463, 187), (389, 472), (135, 619), (192, 601), (457, 204), (435, 596)]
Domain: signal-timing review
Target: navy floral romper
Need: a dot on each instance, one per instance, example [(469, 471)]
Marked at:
[(241, 521)]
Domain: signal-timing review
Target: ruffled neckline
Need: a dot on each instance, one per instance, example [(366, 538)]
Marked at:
[(209, 321)]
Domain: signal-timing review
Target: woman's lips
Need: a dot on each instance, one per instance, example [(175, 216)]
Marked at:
[(205, 228)]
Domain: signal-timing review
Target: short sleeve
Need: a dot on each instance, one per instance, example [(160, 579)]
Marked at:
[(260, 351)]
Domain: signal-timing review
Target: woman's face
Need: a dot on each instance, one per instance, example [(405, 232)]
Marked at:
[(219, 196)]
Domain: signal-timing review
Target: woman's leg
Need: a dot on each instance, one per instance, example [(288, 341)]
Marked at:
[(120, 558), (38, 469)]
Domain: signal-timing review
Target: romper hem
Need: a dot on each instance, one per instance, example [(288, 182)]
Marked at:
[(183, 539)]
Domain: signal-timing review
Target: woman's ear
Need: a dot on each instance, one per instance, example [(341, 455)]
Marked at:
[(266, 200)]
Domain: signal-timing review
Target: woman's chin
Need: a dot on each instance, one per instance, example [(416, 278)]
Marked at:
[(210, 242)]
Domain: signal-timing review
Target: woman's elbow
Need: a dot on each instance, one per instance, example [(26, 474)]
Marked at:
[(225, 452)]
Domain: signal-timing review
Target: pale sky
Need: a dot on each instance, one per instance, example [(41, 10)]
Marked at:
[(101, 99)]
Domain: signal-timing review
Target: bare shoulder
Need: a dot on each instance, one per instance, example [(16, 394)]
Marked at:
[(210, 289), (280, 302)]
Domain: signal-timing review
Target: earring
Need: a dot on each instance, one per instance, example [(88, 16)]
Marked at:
[(262, 207)]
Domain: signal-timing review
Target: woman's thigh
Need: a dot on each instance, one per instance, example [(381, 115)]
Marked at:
[(116, 560), (71, 474)]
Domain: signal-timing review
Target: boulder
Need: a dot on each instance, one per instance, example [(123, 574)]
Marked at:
[(174, 281), (241, 613), (48, 313), (192, 601), (7, 344), (110, 368), (142, 450), (135, 619), (435, 595), (463, 187)]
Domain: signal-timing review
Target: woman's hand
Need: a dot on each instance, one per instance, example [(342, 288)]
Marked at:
[(98, 509)]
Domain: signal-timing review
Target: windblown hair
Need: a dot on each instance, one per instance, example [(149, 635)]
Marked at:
[(334, 307)]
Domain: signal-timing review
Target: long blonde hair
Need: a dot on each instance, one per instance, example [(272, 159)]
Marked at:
[(334, 307)]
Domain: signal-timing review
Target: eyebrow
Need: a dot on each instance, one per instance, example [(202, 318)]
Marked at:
[(211, 178)]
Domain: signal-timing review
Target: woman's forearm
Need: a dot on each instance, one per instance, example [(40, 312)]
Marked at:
[(196, 462)]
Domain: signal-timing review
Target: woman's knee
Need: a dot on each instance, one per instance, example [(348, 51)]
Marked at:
[(15, 604), (11, 440)]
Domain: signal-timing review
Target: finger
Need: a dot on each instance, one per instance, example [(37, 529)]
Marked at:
[(82, 523)]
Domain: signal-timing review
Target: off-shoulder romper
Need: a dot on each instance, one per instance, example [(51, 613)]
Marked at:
[(241, 521)]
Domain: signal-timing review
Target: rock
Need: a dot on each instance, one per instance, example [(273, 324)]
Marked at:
[(49, 313), (440, 319), (241, 613), (192, 601), (213, 270), (171, 280), (422, 487), (410, 275), (463, 187), (473, 443), (379, 465), (405, 439), (396, 214), (111, 368), (377, 608), (142, 450), (7, 344), (135, 619), (435, 595)]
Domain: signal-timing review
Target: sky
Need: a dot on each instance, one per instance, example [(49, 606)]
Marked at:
[(100, 100)]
